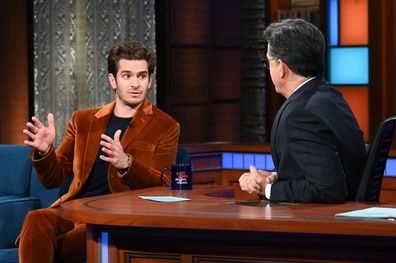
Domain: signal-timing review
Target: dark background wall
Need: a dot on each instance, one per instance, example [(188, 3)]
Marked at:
[(199, 69)]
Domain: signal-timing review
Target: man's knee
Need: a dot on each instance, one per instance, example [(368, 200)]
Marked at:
[(37, 216), (33, 215)]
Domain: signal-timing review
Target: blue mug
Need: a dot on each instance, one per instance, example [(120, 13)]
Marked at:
[(181, 176)]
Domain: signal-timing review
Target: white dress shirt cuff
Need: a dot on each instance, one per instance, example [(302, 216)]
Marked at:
[(268, 191)]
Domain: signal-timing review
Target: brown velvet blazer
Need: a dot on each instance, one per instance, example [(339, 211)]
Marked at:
[(151, 139)]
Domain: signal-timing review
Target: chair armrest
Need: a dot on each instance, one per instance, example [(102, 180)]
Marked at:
[(12, 214)]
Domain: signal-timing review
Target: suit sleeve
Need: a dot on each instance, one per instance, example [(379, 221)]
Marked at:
[(310, 169), (146, 174), (56, 166)]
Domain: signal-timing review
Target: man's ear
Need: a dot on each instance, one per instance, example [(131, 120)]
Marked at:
[(150, 80), (284, 69), (112, 81)]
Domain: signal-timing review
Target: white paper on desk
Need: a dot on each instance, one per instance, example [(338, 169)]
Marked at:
[(372, 212), (164, 198)]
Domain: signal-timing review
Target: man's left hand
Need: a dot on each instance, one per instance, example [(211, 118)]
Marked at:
[(113, 148)]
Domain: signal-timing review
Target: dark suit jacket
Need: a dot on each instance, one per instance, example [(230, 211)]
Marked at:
[(317, 147), (151, 139)]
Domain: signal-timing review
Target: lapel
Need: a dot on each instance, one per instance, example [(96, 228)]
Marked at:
[(274, 131), (97, 126), (142, 117)]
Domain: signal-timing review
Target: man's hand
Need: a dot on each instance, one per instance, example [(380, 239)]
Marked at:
[(256, 180), (40, 137), (114, 151)]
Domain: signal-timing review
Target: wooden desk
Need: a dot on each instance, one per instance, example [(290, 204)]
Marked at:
[(215, 227)]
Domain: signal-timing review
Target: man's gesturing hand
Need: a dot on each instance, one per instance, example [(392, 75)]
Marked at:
[(40, 137), (114, 151)]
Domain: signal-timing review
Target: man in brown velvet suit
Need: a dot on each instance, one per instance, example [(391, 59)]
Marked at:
[(120, 146)]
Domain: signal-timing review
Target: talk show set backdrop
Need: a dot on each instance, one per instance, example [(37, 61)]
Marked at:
[(209, 63)]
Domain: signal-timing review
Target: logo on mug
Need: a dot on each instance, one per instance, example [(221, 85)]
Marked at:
[(180, 177)]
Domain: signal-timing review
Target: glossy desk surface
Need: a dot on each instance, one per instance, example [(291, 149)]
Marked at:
[(214, 207)]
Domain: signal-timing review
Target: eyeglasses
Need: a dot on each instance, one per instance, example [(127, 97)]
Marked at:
[(266, 62)]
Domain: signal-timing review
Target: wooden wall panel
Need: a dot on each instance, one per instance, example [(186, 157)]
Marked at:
[(226, 22), (225, 76), (193, 121), (189, 76), (223, 123), (382, 41), (200, 67), (189, 21), (14, 93)]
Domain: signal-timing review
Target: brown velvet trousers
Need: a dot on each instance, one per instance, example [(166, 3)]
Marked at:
[(46, 236)]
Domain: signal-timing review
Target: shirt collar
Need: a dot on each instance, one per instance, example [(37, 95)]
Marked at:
[(302, 84)]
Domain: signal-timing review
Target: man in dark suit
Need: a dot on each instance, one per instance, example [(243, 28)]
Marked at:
[(120, 146), (316, 143)]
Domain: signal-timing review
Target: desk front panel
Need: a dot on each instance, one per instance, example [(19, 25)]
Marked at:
[(213, 224)]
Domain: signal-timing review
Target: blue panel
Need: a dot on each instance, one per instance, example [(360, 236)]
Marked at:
[(390, 169), (349, 65), (237, 160), (105, 247), (333, 22), (269, 162), (259, 161), (226, 160), (248, 160)]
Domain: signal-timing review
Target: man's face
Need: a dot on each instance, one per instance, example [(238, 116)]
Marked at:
[(131, 83)]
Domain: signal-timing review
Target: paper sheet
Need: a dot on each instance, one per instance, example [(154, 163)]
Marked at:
[(372, 212), (164, 198)]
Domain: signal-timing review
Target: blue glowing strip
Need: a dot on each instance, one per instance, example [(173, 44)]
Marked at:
[(260, 161), (237, 161), (230, 160), (390, 169), (105, 247), (226, 160), (333, 22), (248, 160)]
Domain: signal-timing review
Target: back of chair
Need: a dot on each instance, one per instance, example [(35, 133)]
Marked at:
[(183, 156), (370, 184), (15, 171), (46, 196)]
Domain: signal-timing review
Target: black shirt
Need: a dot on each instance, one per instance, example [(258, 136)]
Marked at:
[(97, 183)]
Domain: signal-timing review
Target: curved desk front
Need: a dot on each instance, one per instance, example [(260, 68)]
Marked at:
[(215, 227)]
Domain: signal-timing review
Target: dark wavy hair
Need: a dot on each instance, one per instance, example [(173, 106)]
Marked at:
[(130, 50), (297, 43)]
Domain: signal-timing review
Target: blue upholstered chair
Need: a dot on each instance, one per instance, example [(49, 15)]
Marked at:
[(20, 192)]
